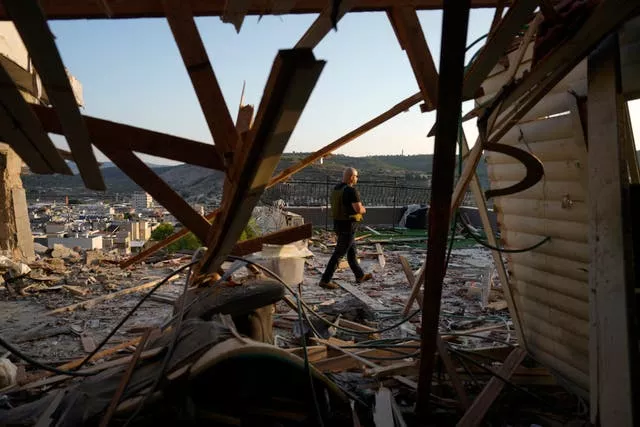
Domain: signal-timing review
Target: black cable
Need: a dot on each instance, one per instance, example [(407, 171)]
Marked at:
[(15, 351), (175, 337), (304, 304), (130, 313), (74, 373), (500, 377), (501, 250), (308, 369)]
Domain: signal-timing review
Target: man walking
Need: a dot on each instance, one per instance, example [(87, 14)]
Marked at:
[(347, 211)]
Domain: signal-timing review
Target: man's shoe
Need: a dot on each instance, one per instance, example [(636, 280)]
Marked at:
[(366, 277), (328, 285)]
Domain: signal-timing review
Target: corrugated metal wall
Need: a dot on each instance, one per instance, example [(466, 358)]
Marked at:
[(550, 283)]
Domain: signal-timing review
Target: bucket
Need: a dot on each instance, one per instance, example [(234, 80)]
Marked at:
[(287, 261)]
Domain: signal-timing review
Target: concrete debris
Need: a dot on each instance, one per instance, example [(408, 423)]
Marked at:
[(40, 249), (13, 269), (8, 373), (60, 251)]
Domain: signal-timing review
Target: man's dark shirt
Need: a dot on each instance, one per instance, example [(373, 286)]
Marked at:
[(350, 195)]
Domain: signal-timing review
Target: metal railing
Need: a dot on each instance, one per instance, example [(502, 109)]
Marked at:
[(373, 193)]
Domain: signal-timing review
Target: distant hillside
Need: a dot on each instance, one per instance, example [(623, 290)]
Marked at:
[(196, 183)]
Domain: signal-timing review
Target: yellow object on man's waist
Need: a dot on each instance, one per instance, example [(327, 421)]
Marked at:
[(356, 217)]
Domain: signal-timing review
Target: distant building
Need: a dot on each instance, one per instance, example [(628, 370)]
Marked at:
[(55, 227), (139, 230), (141, 200), (84, 242)]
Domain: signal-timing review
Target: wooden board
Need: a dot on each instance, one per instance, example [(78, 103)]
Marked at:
[(21, 130), (613, 347), (30, 21), (480, 406), (412, 40), (75, 9), (214, 107), (293, 77), (353, 290), (130, 138)]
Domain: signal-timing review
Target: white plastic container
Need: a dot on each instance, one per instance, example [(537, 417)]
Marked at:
[(287, 261)]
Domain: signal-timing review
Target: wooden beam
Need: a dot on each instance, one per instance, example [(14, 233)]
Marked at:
[(180, 17), (293, 77), (411, 38), (606, 17), (443, 351), (517, 16), (119, 136), (31, 23), (404, 105), (280, 237), (481, 203), (482, 403), (20, 128), (454, 35), (79, 9), (322, 25), (146, 178), (611, 341)]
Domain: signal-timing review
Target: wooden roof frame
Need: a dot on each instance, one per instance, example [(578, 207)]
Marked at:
[(248, 153)]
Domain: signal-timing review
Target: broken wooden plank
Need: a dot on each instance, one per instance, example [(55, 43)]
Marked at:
[(323, 24), (31, 23), (22, 131), (517, 16), (373, 304), (125, 137), (408, 272), (75, 9), (214, 107), (280, 237), (235, 12), (415, 290), (314, 352), (93, 301), (397, 368), (443, 351), (347, 361), (412, 40), (293, 77), (41, 333), (380, 254), (482, 403), (122, 386)]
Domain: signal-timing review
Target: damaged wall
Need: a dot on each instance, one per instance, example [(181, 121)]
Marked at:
[(15, 231)]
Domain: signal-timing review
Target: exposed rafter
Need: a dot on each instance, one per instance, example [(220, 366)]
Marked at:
[(37, 37), (203, 78), (76, 9)]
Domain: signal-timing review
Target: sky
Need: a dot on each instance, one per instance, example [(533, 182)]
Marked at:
[(131, 72)]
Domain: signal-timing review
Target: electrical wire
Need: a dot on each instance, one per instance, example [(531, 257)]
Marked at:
[(130, 313), (308, 369), (502, 250), (18, 353), (500, 377), (176, 336), (305, 305)]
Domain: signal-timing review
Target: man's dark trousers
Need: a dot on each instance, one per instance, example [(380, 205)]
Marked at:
[(345, 246)]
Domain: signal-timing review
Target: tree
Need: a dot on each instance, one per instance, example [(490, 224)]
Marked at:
[(162, 231)]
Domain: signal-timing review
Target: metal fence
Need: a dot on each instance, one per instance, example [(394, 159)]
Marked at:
[(373, 193)]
